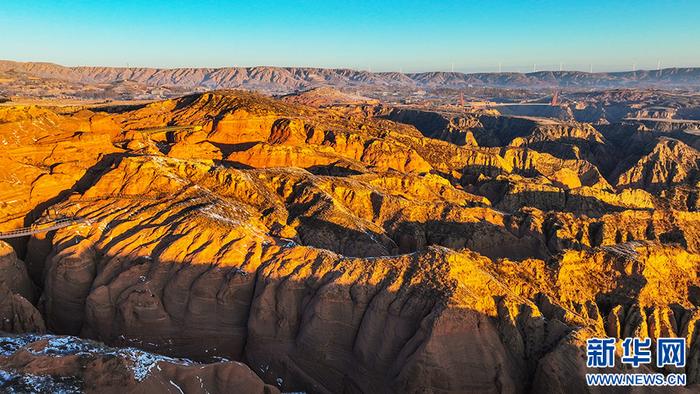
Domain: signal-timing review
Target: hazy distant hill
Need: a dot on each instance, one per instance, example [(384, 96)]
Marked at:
[(284, 79)]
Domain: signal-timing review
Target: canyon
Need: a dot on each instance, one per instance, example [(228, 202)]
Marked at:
[(323, 241)]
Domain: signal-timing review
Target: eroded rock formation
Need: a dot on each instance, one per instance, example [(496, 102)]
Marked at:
[(333, 249), (48, 363)]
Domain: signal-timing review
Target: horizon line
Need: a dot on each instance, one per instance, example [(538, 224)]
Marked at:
[(505, 72)]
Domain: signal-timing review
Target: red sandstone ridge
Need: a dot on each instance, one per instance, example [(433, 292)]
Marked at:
[(340, 246)]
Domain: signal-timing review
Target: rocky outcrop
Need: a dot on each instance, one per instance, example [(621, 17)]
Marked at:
[(514, 192), (669, 163), (200, 150), (51, 363), (17, 292)]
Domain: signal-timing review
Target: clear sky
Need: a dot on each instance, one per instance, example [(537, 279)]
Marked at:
[(380, 35)]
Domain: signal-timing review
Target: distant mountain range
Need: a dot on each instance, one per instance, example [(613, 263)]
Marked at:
[(287, 79)]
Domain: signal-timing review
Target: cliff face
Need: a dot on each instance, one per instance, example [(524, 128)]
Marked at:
[(670, 162), (325, 322), (17, 314), (335, 250)]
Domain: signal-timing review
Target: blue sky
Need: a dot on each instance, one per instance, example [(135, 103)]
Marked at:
[(377, 35)]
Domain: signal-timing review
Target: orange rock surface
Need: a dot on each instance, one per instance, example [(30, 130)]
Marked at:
[(340, 248)]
